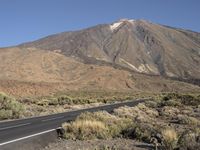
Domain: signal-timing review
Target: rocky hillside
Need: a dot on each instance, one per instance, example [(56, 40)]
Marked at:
[(31, 71), (138, 45)]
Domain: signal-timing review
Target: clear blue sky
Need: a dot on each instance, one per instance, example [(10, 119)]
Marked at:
[(27, 20)]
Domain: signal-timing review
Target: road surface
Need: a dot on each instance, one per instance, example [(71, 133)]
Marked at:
[(12, 131)]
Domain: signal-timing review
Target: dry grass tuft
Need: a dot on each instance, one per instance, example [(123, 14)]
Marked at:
[(89, 124), (170, 138), (85, 130)]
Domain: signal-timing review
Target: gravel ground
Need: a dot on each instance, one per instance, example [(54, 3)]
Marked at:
[(113, 144)]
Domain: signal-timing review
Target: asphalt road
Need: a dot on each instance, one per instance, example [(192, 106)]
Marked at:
[(18, 129)]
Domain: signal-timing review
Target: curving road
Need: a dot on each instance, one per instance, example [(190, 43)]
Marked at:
[(12, 131)]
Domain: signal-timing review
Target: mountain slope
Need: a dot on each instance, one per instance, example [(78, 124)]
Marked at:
[(134, 44), (36, 72)]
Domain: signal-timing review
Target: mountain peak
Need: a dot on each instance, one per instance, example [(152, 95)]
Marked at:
[(118, 23), (138, 45)]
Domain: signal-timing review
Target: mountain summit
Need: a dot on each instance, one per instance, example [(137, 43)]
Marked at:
[(138, 45)]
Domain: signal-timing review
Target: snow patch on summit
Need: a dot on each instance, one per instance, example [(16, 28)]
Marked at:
[(131, 21), (115, 25)]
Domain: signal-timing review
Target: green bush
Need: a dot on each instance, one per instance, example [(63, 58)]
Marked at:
[(10, 108), (151, 104), (43, 102), (185, 99), (62, 100), (65, 100), (171, 102), (5, 114), (171, 96), (53, 101)]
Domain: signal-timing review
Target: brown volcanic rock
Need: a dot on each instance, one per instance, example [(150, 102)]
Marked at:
[(29, 89), (135, 44), (35, 72), (35, 65)]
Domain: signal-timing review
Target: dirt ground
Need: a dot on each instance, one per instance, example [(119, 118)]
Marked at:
[(112, 144)]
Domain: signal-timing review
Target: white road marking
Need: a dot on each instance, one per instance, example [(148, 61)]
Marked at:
[(52, 118), (26, 137), (10, 127)]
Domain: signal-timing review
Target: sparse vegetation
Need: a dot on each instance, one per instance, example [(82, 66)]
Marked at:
[(185, 99), (85, 97), (61, 102), (165, 119)]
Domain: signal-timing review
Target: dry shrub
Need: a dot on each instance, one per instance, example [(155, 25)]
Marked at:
[(141, 132), (185, 99), (151, 104), (140, 113), (125, 111), (171, 102), (170, 138), (189, 140), (115, 124), (183, 119), (100, 125), (169, 111), (99, 116), (85, 130)]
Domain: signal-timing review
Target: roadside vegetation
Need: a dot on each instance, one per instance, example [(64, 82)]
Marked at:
[(169, 122), (89, 97), (61, 102), (10, 108)]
